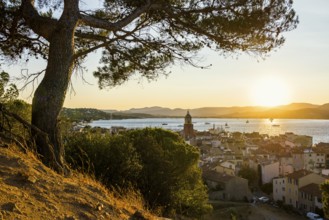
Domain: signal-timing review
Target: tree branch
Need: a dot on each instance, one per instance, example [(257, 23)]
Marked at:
[(40, 25), (103, 24)]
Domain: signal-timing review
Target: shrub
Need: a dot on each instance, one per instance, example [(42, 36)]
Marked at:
[(112, 159), (158, 163)]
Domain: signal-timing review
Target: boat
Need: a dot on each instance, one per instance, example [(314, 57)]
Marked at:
[(226, 125), (207, 123), (275, 125), (271, 119), (164, 124), (247, 121)]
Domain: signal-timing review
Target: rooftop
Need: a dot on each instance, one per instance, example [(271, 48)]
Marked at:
[(312, 189), (299, 174), (216, 177)]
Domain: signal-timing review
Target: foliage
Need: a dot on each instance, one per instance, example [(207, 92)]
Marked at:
[(325, 198), (155, 33), (267, 188), (249, 174), (137, 37), (21, 108), (156, 162), (89, 114), (112, 159), (8, 92), (9, 101), (84, 114)]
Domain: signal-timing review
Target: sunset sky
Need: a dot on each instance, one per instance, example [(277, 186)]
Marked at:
[(296, 72)]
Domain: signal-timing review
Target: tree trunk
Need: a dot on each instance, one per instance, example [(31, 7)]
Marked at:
[(49, 97)]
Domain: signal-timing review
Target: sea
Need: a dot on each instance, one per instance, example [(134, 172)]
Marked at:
[(318, 129)]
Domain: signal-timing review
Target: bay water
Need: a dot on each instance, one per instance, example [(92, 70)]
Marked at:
[(318, 129)]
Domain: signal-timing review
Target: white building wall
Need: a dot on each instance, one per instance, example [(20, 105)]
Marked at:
[(279, 188), (269, 171)]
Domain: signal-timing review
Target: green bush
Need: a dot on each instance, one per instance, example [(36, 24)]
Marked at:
[(158, 163), (112, 159), (267, 188), (325, 198)]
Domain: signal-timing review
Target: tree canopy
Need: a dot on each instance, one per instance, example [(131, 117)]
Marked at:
[(156, 162), (146, 36), (8, 91), (136, 37)]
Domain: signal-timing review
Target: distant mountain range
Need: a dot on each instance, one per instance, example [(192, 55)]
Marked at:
[(294, 110)]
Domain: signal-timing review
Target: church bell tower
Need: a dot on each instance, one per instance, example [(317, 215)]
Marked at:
[(188, 127)]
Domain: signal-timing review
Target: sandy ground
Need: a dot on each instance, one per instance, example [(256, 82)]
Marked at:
[(29, 190)]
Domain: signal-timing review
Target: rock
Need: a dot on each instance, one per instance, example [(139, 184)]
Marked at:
[(138, 216), (3, 145), (99, 207), (11, 207), (69, 218), (31, 179)]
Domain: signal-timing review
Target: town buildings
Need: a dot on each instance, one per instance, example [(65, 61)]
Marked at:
[(299, 189), (288, 161), (226, 187)]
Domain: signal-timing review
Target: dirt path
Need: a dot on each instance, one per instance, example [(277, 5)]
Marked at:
[(267, 212), (247, 211)]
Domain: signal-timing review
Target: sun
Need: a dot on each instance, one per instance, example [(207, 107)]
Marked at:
[(270, 91)]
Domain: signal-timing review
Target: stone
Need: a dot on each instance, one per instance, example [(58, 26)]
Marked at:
[(31, 179), (69, 218), (3, 145), (11, 207), (99, 206), (138, 216)]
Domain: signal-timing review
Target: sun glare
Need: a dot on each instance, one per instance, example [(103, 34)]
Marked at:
[(270, 92)]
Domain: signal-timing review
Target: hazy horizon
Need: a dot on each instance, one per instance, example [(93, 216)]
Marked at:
[(233, 106)]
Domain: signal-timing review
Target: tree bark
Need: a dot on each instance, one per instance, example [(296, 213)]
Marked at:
[(49, 97)]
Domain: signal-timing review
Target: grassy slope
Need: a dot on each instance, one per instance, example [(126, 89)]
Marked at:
[(29, 190)]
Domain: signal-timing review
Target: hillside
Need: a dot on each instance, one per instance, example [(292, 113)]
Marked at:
[(29, 190), (88, 114), (293, 110)]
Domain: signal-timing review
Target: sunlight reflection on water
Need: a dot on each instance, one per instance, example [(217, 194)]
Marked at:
[(318, 129)]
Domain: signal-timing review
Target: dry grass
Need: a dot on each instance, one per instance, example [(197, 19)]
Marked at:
[(29, 190)]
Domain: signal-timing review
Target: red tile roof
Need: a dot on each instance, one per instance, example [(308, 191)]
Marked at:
[(299, 174), (312, 189)]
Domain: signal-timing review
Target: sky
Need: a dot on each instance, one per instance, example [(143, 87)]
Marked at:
[(296, 72)]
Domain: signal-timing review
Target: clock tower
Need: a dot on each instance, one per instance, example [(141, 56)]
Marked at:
[(188, 127)]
